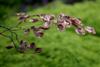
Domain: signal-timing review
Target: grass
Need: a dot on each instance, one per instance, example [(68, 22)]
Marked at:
[(60, 49)]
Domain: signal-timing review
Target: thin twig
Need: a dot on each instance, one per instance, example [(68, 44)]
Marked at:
[(10, 39), (7, 29)]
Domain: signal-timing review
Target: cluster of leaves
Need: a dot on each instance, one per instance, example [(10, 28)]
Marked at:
[(62, 22), (24, 46)]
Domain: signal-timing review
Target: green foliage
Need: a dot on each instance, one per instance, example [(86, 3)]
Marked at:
[(60, 49), (11, 2)]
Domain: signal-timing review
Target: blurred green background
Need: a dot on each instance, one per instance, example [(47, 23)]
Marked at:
[(60, 49)]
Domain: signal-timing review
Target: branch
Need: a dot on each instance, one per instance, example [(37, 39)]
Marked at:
[(9, 37), (11, 31)]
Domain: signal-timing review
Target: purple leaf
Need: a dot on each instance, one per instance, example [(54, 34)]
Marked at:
[(32, 45), (44, 28), (61, 27), (39, 34), (47, 18), (23, 46), (90, 30), (76, 22), (38, 31), (38, 50), (80, 31)]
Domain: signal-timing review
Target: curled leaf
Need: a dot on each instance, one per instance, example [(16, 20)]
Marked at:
[(46, 25), (23, 17), (76, 22), (61, 27), (23, 46), (38, 50), (63, 24), (80, 31), (32, 45), (90, 30), (39, 34), (47, 18), (44, 28), (38, 31), (68, 23)]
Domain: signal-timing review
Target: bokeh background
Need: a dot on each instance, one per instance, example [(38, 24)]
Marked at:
[(61, 49)]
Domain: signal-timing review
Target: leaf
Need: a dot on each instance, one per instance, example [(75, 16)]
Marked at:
[(90, 30), (80, 31), (38, 50), (9, 46)]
